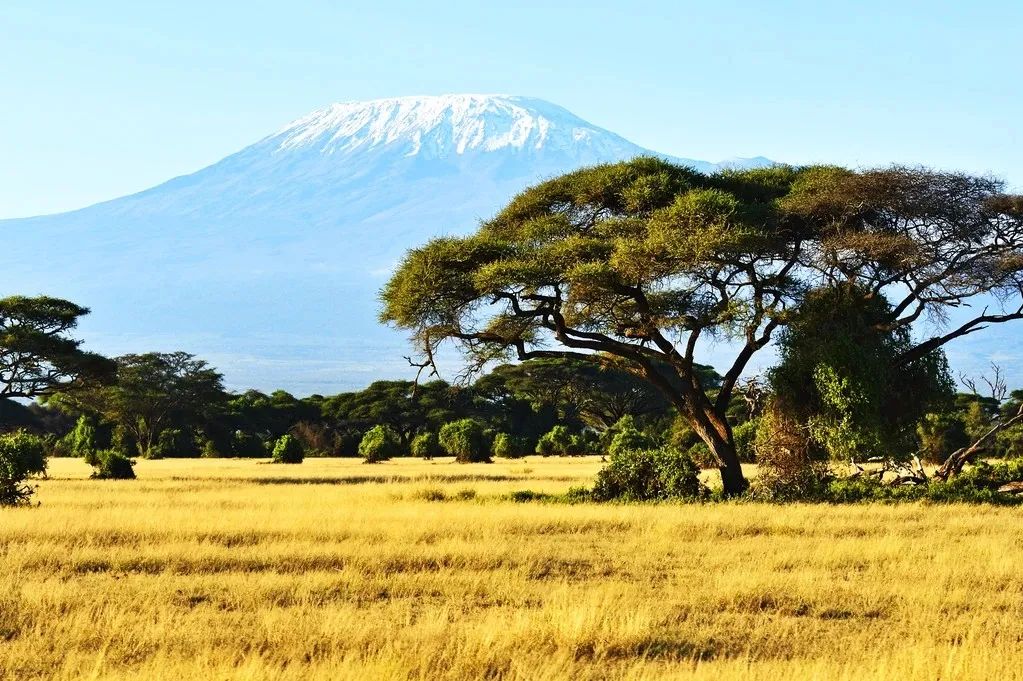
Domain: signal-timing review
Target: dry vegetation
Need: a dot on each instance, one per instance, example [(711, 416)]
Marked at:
[(337, 570)]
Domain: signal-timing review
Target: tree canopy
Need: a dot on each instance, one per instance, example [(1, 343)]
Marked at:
[(37, 355), (643, 259)]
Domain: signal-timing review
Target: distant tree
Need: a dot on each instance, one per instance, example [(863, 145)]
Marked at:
[(426, 445), (558, 441), (81, 441), (152, 392), (380, 443), (37, 355), (465, 440), (643, 259)]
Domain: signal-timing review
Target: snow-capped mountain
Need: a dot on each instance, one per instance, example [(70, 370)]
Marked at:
[(268, 262)]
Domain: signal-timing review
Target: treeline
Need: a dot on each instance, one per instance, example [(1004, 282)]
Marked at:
[(175, 406)]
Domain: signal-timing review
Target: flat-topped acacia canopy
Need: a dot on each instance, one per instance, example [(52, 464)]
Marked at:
[(639, 260)]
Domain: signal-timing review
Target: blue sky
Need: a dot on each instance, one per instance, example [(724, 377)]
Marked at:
[(107, 97)]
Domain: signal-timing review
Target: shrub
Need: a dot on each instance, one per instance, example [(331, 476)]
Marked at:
[(288, 450), (465, 440), (379, 444), (628, 438), (648, 475), (247, 445), (22, 456), (744, 436), (791, 467), (113, 465), (556, 442), (81, 441), (425, 445), (940, 435)]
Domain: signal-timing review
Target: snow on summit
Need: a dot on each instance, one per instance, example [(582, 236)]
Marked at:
[(268, 262), (445, 124)]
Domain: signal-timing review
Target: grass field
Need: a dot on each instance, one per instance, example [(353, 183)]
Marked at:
[(339, 570)]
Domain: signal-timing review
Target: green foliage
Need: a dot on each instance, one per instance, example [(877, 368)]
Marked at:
[(745, 435), (628, 438), (113, 465), (465, 440), (940, 435), (247, 445), (22, 456), (649, 475), (288, 450), (81, 441), (426, 445), (379, 444), (977, 484), (557, 442), (841, 375), (37, 354)]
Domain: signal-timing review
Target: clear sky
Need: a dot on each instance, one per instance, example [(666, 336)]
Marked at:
[(106, 97)]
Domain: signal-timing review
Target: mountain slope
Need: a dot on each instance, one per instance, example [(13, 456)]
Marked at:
[(268, 262)]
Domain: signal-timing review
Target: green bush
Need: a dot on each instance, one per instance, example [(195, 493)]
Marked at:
[(288, 450), (649, 475), (379, 444), (556, 442), (628, 438), (425, 445), (464, 439), (247, 445), (940, 435), (81, 441), (113, 465), (22, 456), (745, 435)]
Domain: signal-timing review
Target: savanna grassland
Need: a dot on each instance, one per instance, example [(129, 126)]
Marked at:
[(427, 570)]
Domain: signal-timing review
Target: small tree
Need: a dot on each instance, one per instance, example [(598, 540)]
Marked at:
[(464, 439), (940, 435), (425, 445), (22, 456), (81, 441), (288, 450), (628, 437), (380, 443), (557, 442)]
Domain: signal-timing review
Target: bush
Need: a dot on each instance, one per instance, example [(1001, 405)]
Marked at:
[(247, 445), (288, 450), (425, 445), (556, 442), (112, 465), (628, 438), (790, 466), (940, 435), (81, 441), (649, 475), (744, 435), (379, 444), (22, 456), (465, 440)]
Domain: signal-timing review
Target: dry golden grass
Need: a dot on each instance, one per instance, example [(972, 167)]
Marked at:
[(338, 570)]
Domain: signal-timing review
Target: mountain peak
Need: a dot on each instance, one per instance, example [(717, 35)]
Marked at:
[(442, 125)]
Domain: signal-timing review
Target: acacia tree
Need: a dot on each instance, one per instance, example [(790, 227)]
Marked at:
[(37, 355), (153, 392), (643, 259)]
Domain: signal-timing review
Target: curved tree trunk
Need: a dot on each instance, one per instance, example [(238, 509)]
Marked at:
[(733, 480)]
